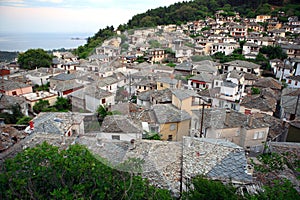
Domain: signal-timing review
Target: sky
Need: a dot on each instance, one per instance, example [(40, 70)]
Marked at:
[(70, 16)]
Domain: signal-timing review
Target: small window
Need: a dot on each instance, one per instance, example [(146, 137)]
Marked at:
[(172, 127), (145, 87), (170, 137), (289, 81), (115, 137), (296, 83), (161, 85), (14, 93), (103, 101)]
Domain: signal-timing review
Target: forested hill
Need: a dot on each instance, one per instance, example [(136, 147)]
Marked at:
[(183, 12)]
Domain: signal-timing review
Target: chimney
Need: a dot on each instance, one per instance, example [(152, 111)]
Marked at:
[(250, 120)]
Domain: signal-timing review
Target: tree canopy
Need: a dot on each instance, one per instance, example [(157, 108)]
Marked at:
[(45, 172), (34, 58)]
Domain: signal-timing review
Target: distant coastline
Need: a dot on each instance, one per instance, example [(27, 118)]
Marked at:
[(20, 42)]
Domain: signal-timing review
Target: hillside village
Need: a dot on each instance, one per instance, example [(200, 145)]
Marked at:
[(211, 117)]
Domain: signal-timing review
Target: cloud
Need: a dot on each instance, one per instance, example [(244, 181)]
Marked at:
[(52, 1)]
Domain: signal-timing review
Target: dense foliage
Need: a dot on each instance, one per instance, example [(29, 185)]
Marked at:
[(92, 42), (202, 188), (45, 172), (6, 56), (13, 116), (183, 12), (61, 105), (34, 58)]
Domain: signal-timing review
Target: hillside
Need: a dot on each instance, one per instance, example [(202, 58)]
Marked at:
[(183, 12)]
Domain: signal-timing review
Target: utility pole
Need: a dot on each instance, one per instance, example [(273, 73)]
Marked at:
[(202, 117), (296, 109)]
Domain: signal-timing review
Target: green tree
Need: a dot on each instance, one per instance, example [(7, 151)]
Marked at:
[(14, 115), (41, 105), (202, 188), (33, 58), (24, 120), (62, 104), (273, 52), (255, 90), (45, 172)]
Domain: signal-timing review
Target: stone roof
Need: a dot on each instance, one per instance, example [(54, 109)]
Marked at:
[(210, 92), (7, 101), (289, 100), (62, 86), (268, 82), (185, 66), (242, 63), (145, 95), (162, 96), (214, 158), (263, 103), (184, 94), (166, 113), (205, 77), (206, 66), (249, 76), (119, 124), (229, 84), (221, 119), (93, 91), (63, 77), (55, 122), (8, 85), (295, 78), (168, 80), (222, 160)]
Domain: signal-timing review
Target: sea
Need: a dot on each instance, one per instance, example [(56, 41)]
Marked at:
[(21, 42)]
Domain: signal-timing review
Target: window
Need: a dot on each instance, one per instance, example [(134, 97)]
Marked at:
[(145, 87), (258, 135), (170, 137), (161, 85), (14, 93), (103, 101), (172, 127), (296, 83), (115, 137), (289, 81)]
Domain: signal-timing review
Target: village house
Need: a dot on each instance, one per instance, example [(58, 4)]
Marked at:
[(119, 127), (262, 18), (14, 88), (184, 68), (201, 81), (91, 97), (258, 104), (270, 83), (206, 66), (62, 124), (238, 31), (35, 97), (168, 82), (292, 50), (7, 102), (289, 103), (186, 100), (240, 65), (172, 123), (226, 48), (233, 126), (63, 84), (293, 81), (40, 76), (156, 55)]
